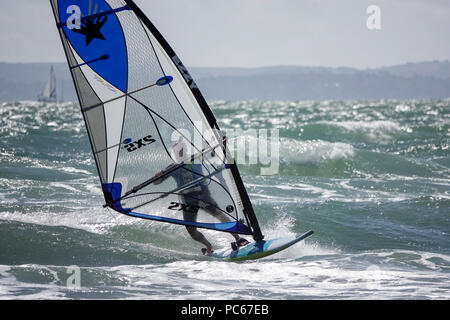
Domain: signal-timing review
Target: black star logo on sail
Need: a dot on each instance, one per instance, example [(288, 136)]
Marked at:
[(91, 28)]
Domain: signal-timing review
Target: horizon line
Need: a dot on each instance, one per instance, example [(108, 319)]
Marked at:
[(271, 66)]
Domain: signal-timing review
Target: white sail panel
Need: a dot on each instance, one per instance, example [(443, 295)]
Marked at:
[(114, 112), (49, 92)]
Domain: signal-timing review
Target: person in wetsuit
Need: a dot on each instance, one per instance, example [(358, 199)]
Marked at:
[(194, 195)]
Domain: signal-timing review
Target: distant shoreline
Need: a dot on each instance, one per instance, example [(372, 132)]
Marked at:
[(23, 81)]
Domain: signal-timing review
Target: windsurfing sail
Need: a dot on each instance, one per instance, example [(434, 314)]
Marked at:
[(156, 143), (49, 92)]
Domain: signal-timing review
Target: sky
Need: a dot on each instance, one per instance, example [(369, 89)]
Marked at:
[(254, 33)]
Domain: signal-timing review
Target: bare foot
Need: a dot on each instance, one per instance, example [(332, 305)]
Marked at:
[(207, 251), (242, 242)]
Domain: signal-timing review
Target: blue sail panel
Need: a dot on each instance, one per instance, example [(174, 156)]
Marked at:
[(233, 227), (94, 31)]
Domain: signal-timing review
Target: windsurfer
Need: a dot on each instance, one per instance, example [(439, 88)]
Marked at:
[(195, 197)]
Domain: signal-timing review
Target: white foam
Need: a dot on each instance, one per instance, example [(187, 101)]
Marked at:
[(380, 131), (313, 152), (327, 276)]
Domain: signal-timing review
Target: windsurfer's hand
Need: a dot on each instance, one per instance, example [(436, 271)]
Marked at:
[(157, 174)]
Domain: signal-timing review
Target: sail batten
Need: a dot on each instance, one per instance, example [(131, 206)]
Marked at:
[(144, 115)]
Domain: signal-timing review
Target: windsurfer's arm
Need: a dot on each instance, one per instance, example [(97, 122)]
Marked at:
[(158, 174), (161, 173)]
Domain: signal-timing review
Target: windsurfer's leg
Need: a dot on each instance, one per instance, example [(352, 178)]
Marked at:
[(190, 214), (198, 236), (210, 205)]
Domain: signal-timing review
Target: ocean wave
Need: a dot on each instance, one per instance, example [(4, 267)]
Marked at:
[(289, 151), (313, 152), (381, 131), (370, 178)]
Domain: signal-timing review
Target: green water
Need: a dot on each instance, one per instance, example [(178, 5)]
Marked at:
[(371, 178)]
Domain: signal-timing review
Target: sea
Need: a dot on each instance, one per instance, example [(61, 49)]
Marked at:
[(370, 178)]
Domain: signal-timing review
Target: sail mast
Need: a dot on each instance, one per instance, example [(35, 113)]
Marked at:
[(52, 94)]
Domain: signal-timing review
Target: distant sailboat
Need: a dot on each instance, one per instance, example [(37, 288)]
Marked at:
[(49, 92)]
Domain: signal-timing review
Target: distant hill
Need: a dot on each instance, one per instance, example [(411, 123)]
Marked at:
[(433, 69), (405, 81)]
